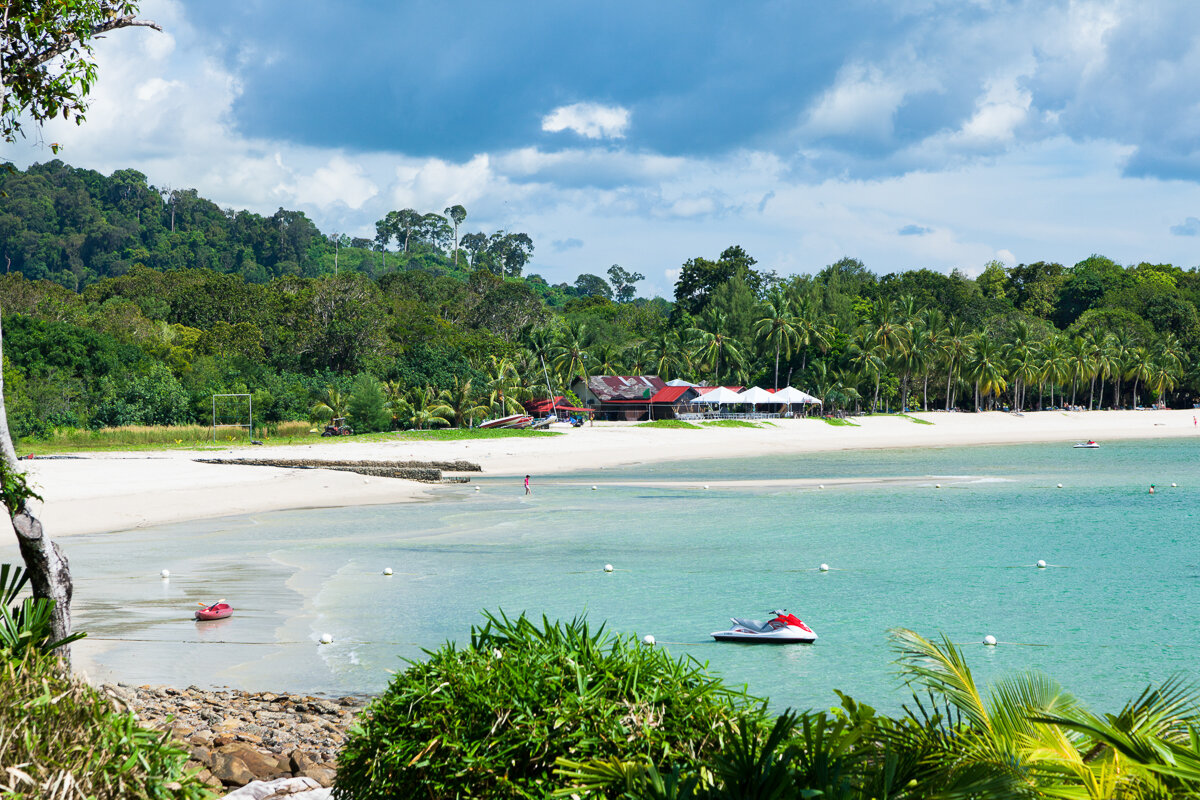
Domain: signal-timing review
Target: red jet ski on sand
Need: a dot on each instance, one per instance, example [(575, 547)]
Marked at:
[(785, 628), (218, 610)]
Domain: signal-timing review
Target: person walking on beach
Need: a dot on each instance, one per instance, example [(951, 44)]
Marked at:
[(527, 485)]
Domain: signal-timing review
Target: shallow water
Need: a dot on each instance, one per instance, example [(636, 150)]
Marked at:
[(1114, 611)]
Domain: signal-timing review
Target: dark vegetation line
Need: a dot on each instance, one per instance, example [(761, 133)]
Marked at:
[(128, 304)]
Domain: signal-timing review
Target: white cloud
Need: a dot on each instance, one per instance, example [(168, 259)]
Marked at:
[(339, 181), (590, 120), (862, 102)]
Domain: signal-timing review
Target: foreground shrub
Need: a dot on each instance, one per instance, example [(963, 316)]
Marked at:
[(25, 625), (61, 738), (491, 721)]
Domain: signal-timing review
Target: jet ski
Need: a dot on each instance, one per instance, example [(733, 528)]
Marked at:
[(785, 628), (1090, 444)]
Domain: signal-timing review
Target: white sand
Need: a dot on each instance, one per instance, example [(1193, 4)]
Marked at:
[(111, 492)]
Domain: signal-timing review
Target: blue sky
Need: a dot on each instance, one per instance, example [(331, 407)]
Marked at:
[(914, 133)]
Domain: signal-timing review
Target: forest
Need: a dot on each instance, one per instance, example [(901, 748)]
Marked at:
[(129, 304)]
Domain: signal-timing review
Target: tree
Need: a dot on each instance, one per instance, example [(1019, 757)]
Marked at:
[(700, 277), (367, 407), (457, 215), (46, 71), (777, 328), (587, 285), (46, 65), (623, 283)]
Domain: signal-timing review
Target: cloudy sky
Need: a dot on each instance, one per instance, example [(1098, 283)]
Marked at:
[(908, 133)]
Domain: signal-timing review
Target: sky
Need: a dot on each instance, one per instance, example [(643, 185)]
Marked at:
[(911, 133)]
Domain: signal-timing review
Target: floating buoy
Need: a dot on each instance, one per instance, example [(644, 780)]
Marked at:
[(1174, 485), (477, 488), (387, 571), (937, 486), (1060, 486), (820, 486), (706, 486), (593, 488), (989, 640), (326, 638), (648, 640), (608, 567), (166, 573), (1041, 564), (824, 568)]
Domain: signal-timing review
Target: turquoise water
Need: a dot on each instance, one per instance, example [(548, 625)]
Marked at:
[(1115, 611)]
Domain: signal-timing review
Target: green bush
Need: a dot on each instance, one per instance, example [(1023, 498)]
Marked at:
[(61, 738), (491, 720), (367, 408)]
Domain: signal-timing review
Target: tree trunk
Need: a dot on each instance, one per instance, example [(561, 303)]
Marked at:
[(49, 572), (777, 366)]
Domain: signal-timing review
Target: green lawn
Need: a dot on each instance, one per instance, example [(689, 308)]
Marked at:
[(667, 423), (732, 423), (836, 421)]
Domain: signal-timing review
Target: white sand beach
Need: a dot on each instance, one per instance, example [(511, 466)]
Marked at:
[(119, 491)]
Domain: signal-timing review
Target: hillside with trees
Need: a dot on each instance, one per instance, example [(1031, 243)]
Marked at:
[(126, 303)]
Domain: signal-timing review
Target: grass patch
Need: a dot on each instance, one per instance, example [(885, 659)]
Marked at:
[(456, 434), (731, 423), (914, 419), (840, 422), (165, 437), (667, 423)]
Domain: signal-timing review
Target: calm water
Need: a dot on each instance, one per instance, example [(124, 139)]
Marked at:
[(1114, 612)]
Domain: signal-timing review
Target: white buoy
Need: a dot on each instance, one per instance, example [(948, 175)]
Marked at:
[(1041, 564), (326, 638), (166, 573), (989, 640), (608, 567), (820, 486), (1060, 486), (593, 488), (706, 486), (648, 640), (824, 568), (387, 570), (937, 486), (1174, 485), (477, 488)]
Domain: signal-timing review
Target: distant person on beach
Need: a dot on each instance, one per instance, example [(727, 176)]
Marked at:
[(527, 485)]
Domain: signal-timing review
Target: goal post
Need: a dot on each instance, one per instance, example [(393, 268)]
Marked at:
[(223, 418)]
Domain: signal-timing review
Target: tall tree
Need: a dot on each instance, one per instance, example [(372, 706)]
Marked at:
[(623, 282), (457, 215), (777, 328)]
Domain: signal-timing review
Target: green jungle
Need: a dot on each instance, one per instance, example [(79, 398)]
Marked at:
[(126, 304)]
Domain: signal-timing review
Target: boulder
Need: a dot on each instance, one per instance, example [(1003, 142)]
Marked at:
[(238, 764)]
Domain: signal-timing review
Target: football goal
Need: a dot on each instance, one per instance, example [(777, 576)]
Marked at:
[(233, 411)]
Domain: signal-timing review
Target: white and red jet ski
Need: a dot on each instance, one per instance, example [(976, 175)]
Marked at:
[(785, 628)]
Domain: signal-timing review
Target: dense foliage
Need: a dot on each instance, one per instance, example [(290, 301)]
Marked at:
[(491, 720), (556, 710), (129, 304)]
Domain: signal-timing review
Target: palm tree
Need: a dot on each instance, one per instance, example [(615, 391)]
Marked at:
[(716, 343), (607, 359), (1103, 362), (331, 404), (956, 345), (464, 406), (637, 358), (1141, 369), (809, 330), (777, 328), (985, 365), (865, 359), (504, 387), (425, 409), (570, 353), (666, 354), (1056, 368), (1079, 357), (1121, 345)]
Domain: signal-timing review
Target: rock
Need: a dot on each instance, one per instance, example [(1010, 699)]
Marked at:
[(202, 755), (300, 788), (231, 770), (243, 736), (298, 761), (321, 775), (220, 740), (262, 766)]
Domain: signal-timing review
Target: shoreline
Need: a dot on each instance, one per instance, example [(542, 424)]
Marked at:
[(112, 492)]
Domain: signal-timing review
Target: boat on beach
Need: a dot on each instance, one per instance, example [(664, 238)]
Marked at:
[(218, 610), (512, 421)]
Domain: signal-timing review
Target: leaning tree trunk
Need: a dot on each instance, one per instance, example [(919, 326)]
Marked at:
[(47, 567)]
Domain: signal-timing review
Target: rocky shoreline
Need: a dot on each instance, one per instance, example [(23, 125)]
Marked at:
[(235, 737)]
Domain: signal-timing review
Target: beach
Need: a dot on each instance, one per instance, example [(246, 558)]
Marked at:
[(102, 492)]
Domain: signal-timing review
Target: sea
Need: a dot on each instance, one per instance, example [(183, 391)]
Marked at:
[(944, 542)]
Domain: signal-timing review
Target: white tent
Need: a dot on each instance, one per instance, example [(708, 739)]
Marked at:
[(756, 395), (791, 395), (720, 396), (681, 382)]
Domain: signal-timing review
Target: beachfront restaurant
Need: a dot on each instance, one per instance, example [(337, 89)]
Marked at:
[(619, 397)]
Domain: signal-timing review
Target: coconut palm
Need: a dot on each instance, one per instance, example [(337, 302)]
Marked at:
[(505, 390), (865, 359), (716, 344), (1055, 368), (810, 331), (570, 352), (463, 403), (777, 328), (985, 366), (1079, 357), (1104, 363), (637, 358), (1141, 369), (424, 409), (607, 359), (955, 347), (331, 404), (666, 354)]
